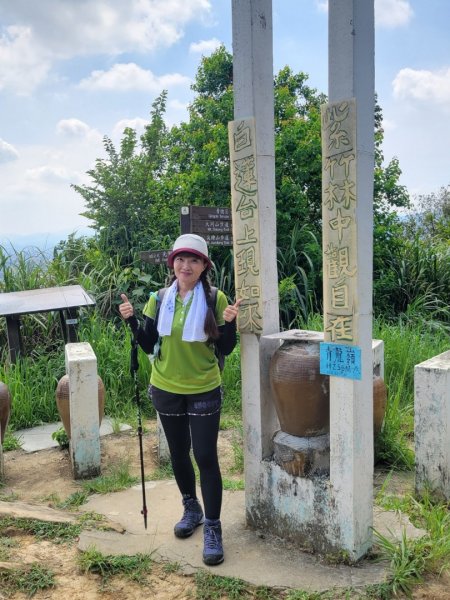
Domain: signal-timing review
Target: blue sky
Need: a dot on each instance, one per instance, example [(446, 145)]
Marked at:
[(72, 71)]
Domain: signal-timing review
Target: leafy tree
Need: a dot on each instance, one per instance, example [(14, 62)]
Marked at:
[(298, 179), (430, 217), (388, 239), (198, 161), (125, 188)]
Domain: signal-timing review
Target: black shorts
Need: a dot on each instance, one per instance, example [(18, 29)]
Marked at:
[(178, 405)]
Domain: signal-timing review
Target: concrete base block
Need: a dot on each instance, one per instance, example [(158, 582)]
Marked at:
[(302, 456), (298, 509), (81, 367), (432, 425)]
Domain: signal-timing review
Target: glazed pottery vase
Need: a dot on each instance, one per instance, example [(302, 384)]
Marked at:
[(301, 394), (63, 402), (379, 404), (5, 409)]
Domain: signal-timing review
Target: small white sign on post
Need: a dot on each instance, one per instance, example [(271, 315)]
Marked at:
[(245, 208)]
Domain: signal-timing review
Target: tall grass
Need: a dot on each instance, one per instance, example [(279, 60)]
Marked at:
[(32, 383), (412, 559), (405, 345), (297, 277), (231, 379)]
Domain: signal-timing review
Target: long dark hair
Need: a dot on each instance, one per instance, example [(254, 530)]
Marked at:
[(211, 328)]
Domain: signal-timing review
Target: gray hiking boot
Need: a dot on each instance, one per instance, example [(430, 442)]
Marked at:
[(192, 518), (213, 548)]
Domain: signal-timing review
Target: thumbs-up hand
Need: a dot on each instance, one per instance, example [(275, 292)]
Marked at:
[(231, 311), (126, 309)]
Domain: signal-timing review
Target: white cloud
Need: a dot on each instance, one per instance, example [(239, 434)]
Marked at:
[(49, 30), (138, 124), (204, 47), (388, 13), (36, 193), (429, 86), (389, 125), (178, 105), (131, 77), (106, 26), (7, 152), (393, 13), (322, 5), (23, 64), (73, 128), (49, 174)]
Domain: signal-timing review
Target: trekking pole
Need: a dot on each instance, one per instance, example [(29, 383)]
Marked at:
[(134, 365)]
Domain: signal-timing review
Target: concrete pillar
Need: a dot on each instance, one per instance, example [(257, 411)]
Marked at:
[(81, 367), (432, 425), (253, 97), (351, 79)]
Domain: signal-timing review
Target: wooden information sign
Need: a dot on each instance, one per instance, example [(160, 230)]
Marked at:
[(211, 222), (155, 257)]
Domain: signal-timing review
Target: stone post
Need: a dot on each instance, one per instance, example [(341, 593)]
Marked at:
[(163, 446), (432, 425), (348, 314), (253, 98), (81, 367)]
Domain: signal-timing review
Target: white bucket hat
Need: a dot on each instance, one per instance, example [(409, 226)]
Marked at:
[(192, 243)]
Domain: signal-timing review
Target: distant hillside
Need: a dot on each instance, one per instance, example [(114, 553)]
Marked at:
[(45, 242)]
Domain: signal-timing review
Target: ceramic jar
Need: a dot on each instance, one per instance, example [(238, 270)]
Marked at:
[(379, 404), (301, 394), (63, 401), (5, 409)]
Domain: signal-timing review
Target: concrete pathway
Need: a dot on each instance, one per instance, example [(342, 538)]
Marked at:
[(40, 438), (250, 555)]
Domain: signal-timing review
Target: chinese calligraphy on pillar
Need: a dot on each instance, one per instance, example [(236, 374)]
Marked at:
[(246, 242), (339, 199)]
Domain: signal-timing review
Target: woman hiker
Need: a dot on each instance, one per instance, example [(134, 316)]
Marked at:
[(185, 383)]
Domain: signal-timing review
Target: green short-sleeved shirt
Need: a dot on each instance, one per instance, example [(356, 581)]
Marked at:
[(185, 367)]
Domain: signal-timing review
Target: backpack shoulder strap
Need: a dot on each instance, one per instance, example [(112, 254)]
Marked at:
[(159, 298), (211, 301)]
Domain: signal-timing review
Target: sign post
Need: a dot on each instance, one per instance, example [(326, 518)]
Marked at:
[(211, 222)]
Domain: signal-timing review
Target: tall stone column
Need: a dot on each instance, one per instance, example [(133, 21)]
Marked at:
[(253, 98), (348, 204)]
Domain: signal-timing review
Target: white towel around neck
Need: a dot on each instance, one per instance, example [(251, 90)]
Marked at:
[(194, 326)]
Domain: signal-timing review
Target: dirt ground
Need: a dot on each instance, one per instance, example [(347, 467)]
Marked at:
[(45, 478)]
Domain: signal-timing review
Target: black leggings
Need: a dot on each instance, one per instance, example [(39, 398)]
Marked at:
[(204, 431)]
